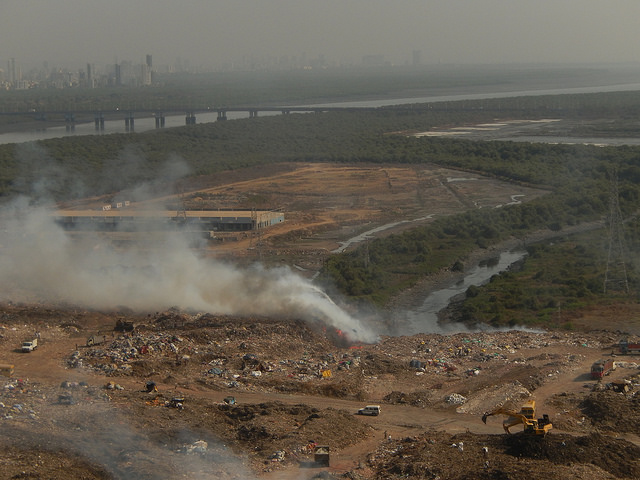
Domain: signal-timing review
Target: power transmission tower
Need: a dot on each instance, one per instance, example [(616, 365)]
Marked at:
[(615, 276)]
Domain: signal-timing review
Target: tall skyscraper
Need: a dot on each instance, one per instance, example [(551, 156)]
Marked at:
[(147, 70), (90, 82), (13, 75)]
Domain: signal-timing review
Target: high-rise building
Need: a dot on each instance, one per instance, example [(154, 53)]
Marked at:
[(90, 81), (147, 71), (13, 75)]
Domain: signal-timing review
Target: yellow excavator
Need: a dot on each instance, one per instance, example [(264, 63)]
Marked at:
[(526, 416)]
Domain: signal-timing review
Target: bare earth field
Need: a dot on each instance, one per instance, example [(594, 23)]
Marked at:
[(89, 412), (326, 205)]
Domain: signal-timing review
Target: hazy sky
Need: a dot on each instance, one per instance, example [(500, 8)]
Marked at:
[(211, 32)]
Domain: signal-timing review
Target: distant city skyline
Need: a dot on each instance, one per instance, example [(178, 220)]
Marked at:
[(126, 72), (217, 34), (186, 65)]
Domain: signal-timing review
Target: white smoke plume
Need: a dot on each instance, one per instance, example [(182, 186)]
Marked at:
[(40, 258)]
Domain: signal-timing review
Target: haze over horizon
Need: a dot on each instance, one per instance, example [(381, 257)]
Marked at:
[(212, 33)]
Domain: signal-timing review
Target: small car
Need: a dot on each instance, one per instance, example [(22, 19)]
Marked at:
[(370, 410)]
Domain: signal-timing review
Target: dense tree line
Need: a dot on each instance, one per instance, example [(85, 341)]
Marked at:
[(93, 161)]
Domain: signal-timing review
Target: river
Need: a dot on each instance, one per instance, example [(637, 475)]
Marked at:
[(146, 124), (111, 126), (627, 87), (424, 318)]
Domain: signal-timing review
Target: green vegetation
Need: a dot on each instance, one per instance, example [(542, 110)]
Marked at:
[(555, 279), (567, 276)]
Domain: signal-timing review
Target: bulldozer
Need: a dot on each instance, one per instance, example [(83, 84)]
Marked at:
[(526, 416)]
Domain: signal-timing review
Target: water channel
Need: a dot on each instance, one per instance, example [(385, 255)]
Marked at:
[(424, 319)]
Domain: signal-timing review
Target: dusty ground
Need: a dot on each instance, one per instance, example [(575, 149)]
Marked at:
[(326, 205), (296, 384), (278, 373)]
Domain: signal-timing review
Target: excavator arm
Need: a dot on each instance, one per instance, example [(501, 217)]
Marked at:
[(513, 418)]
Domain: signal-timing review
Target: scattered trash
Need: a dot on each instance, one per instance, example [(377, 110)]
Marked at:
[(278, 456), (199, 446), (176, 402), (455, 399)]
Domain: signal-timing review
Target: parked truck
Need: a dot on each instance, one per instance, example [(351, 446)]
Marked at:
[(602, 367), (626, 348), (96, 340), (29, 345)]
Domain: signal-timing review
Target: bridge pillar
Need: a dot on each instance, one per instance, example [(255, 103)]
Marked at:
[(222, 115), (159, 119), (129, 123), (99, 122), (70, 122)]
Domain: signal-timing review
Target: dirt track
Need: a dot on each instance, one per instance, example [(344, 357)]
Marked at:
[(553, 367)]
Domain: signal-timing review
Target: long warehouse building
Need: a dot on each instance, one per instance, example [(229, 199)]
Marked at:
[(132, 220)]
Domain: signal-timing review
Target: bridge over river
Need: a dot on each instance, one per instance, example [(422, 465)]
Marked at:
[(173, 114), (70, 117)]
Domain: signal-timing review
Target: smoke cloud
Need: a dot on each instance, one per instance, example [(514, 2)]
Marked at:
[(38, 259)]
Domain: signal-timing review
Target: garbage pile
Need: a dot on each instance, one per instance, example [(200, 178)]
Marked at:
[(18, 400), (116, 357)]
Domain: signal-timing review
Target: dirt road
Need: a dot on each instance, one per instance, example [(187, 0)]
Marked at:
[(566, 375)]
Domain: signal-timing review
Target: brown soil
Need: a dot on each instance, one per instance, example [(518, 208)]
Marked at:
[(326, 204), (77, 411), (115, 428)]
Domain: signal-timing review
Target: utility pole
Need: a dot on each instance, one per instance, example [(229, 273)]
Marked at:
[(615, 276)]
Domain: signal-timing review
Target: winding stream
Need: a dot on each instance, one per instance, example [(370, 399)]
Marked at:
[(369, 234), (424, 319)]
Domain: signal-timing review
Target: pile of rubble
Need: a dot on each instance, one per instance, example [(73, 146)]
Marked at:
[(18, 400), (117, 356), (467, 455), (220, 356), (222, 353)]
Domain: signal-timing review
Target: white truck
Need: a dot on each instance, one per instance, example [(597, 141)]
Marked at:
[(29, 345)]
